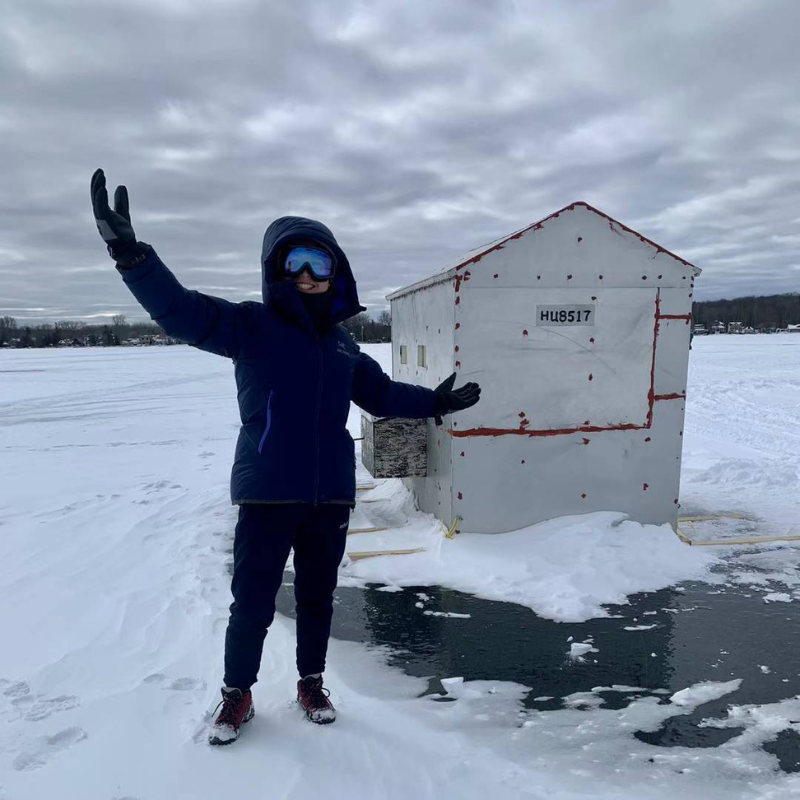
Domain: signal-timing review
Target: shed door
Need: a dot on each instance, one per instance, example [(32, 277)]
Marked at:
[(546, 364)]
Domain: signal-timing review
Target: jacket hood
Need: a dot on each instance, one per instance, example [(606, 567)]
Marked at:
[(288, 230)]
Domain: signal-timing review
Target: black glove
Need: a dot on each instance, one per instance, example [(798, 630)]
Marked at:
[(115, 226), (449, 400)]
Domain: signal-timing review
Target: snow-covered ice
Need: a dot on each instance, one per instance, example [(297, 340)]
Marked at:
[(115, 532)]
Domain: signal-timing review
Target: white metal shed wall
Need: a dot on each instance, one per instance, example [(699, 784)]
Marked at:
[(426, 318), (573, 418)]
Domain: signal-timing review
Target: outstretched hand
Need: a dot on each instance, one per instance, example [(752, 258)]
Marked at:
[(114, 225), (449, 399)]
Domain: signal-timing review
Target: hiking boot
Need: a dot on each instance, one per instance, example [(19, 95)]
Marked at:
[(313, 697), (237, 708)]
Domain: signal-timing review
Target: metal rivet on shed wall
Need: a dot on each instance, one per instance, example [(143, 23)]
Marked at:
[(580, 238), (648, 439), (583, 496), (645, 486)]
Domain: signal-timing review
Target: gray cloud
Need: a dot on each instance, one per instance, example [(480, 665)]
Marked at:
[(415, 130)]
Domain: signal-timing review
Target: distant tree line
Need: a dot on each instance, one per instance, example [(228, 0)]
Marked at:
[(364, 328), (119, 332), (78, 334), (769, 312)]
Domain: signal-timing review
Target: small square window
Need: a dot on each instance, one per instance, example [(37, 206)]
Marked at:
[(403, 354), (422, 359)]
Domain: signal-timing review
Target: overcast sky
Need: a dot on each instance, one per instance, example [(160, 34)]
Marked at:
[(415, 129)]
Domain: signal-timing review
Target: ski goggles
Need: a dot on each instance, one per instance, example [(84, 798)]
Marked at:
[(319, 263)]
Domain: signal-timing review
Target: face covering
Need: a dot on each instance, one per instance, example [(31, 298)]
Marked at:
[(318, 307)]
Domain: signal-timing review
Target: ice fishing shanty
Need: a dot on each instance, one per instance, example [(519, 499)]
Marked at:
[(577, 329)]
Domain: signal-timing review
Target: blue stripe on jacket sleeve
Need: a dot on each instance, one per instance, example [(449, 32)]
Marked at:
[(269, 423)]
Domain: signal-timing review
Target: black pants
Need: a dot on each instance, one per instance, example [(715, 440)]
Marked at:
[(264, 536)]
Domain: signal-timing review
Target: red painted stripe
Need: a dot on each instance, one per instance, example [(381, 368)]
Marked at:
[(651, 399), (651, 394), (670, 397), (522, 432)]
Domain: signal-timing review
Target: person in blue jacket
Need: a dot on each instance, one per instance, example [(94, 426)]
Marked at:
[(297, 370)]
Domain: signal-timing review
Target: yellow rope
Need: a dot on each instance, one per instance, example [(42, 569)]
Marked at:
[(753, 540), (724, 542), (450, 532), (374, 553), (351, 531)]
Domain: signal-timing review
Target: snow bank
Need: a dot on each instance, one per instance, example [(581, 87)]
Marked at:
[(565, 569)]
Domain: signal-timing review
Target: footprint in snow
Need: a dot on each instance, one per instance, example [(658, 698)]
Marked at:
[(186, 684), (14, 688), (38, 753), (33, 707)]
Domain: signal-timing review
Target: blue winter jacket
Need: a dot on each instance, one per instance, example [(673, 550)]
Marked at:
[(294, 382)]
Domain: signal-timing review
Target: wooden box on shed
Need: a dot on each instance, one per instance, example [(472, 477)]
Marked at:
[(393, 447)]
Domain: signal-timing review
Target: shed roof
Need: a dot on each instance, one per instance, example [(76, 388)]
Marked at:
[(475, 255)]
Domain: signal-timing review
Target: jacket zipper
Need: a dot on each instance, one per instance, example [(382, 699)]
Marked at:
[(316, 425)]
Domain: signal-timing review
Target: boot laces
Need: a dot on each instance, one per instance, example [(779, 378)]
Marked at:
[(231, 708), (318, 695)]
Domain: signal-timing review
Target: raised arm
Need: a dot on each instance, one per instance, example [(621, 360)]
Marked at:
[(206, 322)]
